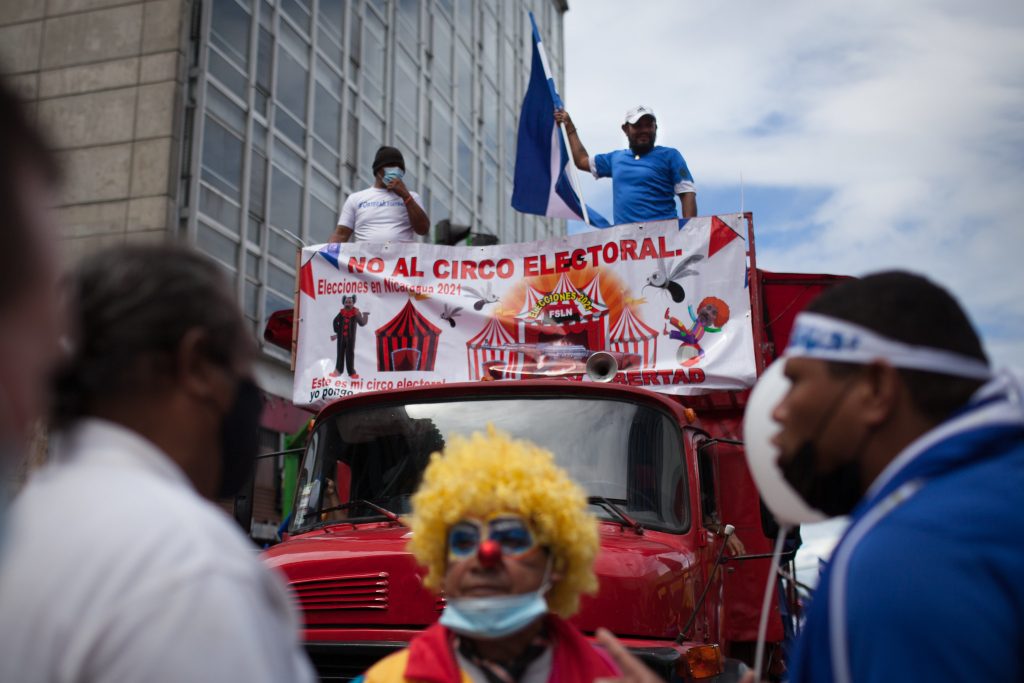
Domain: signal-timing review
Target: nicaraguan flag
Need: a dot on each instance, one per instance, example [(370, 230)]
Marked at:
[(542, 184)]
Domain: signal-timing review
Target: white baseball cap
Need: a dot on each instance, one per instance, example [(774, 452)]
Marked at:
[(638, 112)]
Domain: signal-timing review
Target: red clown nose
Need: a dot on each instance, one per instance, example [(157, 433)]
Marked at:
[(489, 553)]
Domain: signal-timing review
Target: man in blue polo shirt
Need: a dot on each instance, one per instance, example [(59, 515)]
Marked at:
[(645, 178)]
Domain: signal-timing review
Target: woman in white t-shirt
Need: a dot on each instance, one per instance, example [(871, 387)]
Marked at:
[(387, 211)]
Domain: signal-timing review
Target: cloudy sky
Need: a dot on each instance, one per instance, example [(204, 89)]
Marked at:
[(868, 135)]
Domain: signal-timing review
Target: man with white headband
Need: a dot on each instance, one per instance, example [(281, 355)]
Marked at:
[(894, 418)]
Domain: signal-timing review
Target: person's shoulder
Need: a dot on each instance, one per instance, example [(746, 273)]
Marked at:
[(129, 527), (153, 513), (351, 202), (670, 153), (607, 162), (954, 530), (904, 585), (360, 195), (978, 500), (609, 157)]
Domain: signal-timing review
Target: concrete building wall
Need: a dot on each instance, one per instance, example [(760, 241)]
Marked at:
[(105, 79)]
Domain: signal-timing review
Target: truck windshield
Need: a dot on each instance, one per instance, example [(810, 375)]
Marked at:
[(628, 453)]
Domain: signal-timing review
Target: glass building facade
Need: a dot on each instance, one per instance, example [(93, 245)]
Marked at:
[(288, 100)]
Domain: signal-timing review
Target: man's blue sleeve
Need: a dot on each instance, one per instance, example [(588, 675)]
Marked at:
[(681, 179), (602, 165), (918, 610)]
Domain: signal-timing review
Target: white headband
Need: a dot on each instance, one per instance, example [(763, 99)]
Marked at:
[(824, 338)]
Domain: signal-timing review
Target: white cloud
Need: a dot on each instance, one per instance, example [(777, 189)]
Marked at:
[(909, 115)]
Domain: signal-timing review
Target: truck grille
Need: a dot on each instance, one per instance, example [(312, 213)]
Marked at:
[(342, 662), (352, 592)]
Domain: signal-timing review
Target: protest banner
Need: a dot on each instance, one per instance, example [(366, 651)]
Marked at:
[(668, 303)]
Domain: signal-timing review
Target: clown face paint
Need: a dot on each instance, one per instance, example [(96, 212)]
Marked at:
[(510, 533)]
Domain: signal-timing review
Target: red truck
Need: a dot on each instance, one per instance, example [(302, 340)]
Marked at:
[(666, 478)]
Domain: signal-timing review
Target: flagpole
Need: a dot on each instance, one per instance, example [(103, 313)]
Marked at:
[(573, 175)]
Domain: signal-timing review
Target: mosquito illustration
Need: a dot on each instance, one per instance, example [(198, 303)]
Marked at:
[(666, 280), (487, 296), (450, 314)]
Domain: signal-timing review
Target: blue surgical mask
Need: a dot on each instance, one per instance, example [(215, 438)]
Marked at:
[(392, 173), (495, 616)]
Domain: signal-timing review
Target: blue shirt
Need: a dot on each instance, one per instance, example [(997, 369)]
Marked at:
[(644, 189), (930, 588)]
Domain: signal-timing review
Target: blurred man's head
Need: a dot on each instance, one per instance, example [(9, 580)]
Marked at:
[(873, 364), (159, 345), (28, 272)]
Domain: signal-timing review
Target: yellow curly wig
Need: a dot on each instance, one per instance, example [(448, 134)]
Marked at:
[(491, 473)]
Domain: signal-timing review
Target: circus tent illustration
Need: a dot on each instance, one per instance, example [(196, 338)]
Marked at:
[(593, 292), (531, 299), (564, 316), (561, 313), (407, 342), (480, 355), (632, 335)]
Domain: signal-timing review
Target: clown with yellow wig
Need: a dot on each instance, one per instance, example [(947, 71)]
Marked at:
[(505, 535)]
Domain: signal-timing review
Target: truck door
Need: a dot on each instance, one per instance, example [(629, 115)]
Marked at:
[(744, 579), (709, 522)]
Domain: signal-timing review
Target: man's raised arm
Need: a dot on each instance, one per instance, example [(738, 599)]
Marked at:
[(579, 152)]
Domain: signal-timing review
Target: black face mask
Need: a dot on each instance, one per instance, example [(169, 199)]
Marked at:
[(240, 438), (835, 493)]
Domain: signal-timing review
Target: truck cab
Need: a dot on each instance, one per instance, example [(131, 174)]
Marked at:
[(639, 455)]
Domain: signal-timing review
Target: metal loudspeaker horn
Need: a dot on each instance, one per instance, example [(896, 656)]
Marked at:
[(602, 366)]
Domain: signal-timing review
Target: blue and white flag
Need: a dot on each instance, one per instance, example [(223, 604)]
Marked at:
[(542, 184)]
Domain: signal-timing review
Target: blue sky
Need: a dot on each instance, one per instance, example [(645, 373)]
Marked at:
[(869, 135)]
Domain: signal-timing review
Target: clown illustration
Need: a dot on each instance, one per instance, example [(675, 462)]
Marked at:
[(712, 314), (345, 326)]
